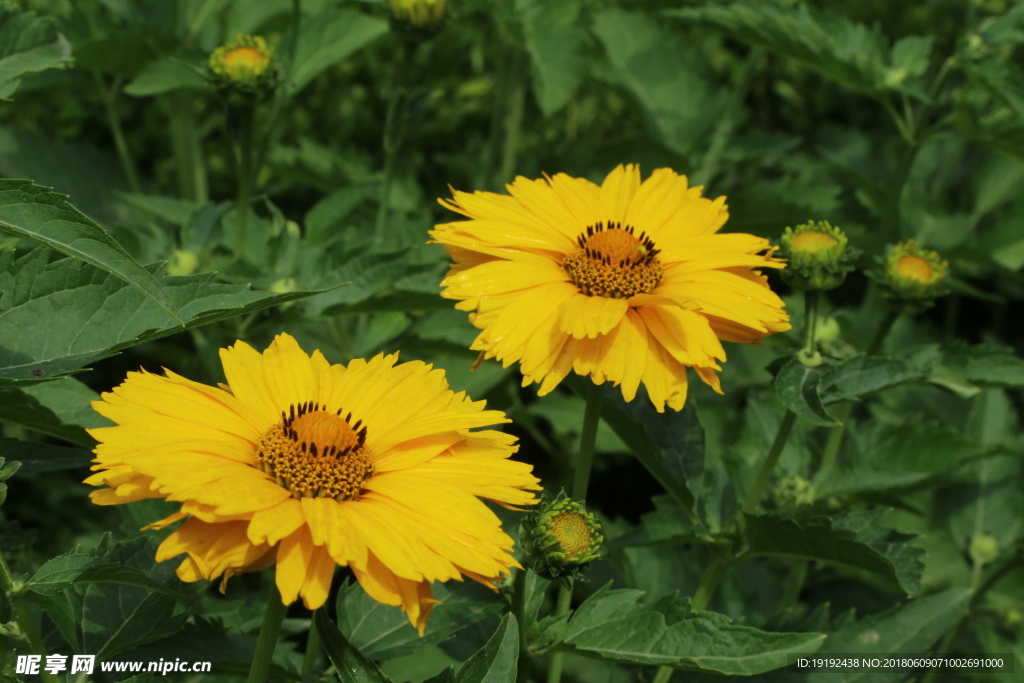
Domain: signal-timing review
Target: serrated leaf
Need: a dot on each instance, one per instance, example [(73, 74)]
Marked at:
[(384, 632), (61, 572), (28, 44), (328, 38), (661, 72), (863, 375), (352, 666), (495, 662), (614, 626), (849, 53), (910, 629), (894, 545), (65, 315), (670, 444), (28, 210), (43, 457), (797, 387)]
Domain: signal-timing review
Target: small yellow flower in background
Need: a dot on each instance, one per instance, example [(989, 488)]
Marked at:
[(560, 538), (246, 60), (818, 256), (625, 282), (912, 276), (418, 13), (309, 465)]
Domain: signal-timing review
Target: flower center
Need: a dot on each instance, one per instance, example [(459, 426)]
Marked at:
[(813, 241), (572, 531), (316, 454), (611, 261), (245, 57), (914, 267)]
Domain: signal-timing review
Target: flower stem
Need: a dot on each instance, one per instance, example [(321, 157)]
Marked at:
[(519, 609), (513, 124), (312, 647), (22, 618), (272, 619), (750, 502), (393, 132), (811, 298), (664, 673), (564, 602), (835, 437), (247, 113), (120, 143), (285, 91)]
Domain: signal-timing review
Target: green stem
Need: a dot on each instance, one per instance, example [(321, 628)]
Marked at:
[(727, 123), (794, 584), (22, 618), (513, 125), (842, 413), (564, 602), (114, 121), (768, 466), (269, 631), (246, 116), (588, 441), (664, 673), (392, 142), (284, 92), (188, 157), (519, 609), (312, 647), (811, 298)]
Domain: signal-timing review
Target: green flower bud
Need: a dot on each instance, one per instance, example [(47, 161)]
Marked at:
[(244, 68), (818, 255), (826, 331), (560, 539), (984, 549), (417, 19), (794, 491), (912, 277), (284, 285), (182, 262)]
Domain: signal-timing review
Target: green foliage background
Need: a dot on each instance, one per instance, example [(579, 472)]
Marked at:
[(892, 120)]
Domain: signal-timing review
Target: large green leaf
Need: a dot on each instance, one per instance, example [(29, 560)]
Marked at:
[(862, 375), (910, 629), (65, 315), (879, 551), (328, 38), (496, 662), (852, 54), (28, 210), (665, 77), (797, 386), (28, 44), (557, 46), (614, 626), (20, 407), (44, 457), (384, 632), (351, 664), (987, 366), (61, 572)]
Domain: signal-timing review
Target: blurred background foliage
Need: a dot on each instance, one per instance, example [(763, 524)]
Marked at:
[(892, 120)]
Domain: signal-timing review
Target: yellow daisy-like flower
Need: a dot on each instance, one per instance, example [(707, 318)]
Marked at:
[(374, 466), (626, 282)]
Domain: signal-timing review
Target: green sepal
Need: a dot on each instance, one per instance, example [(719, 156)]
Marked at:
[(545, 553), (819, 269)]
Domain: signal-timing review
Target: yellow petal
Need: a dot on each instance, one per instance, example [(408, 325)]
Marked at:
[(274, 523), (618, 190), (590, 316)]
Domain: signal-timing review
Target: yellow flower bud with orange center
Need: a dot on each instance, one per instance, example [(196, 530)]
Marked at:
[(818, 255), (418, 13), (245, 61), (910, 272)]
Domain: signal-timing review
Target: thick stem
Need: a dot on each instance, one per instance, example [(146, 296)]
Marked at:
[(392, 142), (312, 647), (22, 618), (513, 124), (120, 143), (564, 602), (519, 609), (664, 673), (246, 116), (794, 584), (188, 157), (269, 631), (891, 314), (811, 298), (768, 466)]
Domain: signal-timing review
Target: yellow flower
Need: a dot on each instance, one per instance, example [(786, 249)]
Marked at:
[(912, 276), (419, 13), (246, 60), (626, 282), (309, 465)]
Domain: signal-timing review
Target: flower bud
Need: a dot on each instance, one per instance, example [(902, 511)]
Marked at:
[(560, 538), (244, 67), (984, 549), (182, 262), (912, 277), (417, 18), (818, 255)]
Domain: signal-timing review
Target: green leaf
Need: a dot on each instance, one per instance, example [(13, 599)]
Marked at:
[(614, 626), (664, 76), (116, 617), (496, 662), (181, 71), (910, 629), (849, 53), (667, 525), (123, 51), (1003, 79), (557, 46), (836, 542), (862, 375), (384, 632), (28, 210), (351, 665), (324, 219), (797, 387), (987, 366), (328, 38), (19, 407), (670, 444), (63, 571), (894, 545), (43, 457), (28, 44), (65, 315)]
